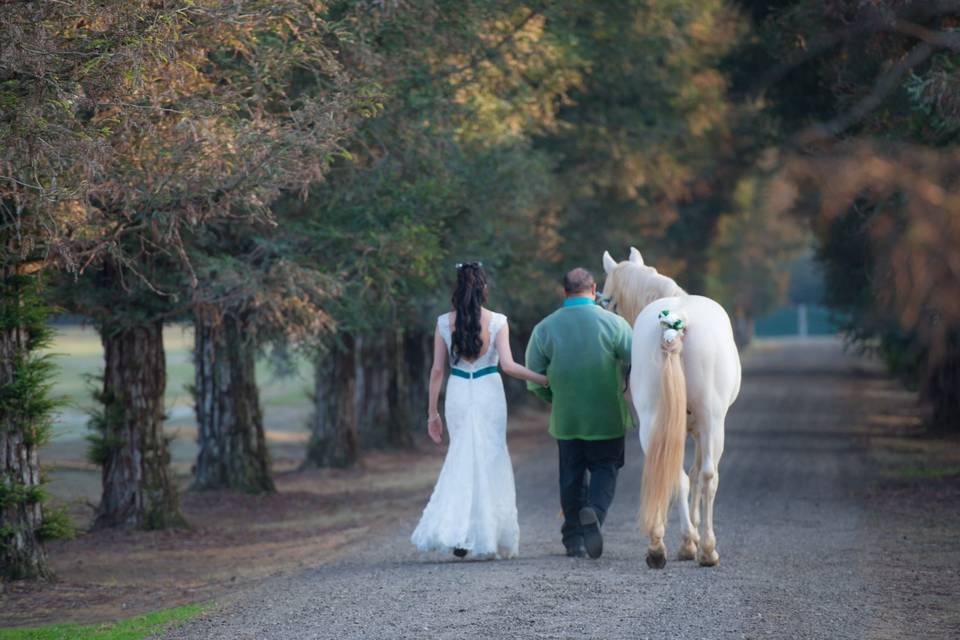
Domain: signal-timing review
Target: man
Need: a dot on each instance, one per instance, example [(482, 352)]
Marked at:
[(584, 351)]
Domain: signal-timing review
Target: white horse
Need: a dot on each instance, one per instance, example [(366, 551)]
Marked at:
[(685, 374)]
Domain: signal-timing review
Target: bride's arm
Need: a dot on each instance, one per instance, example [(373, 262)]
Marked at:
[(434, 422), (507, 363)]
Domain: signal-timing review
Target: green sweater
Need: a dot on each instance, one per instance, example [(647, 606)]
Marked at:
[(584, 350)]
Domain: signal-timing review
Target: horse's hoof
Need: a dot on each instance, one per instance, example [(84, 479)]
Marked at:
[(688, 550), (656, 559), (711, 559)]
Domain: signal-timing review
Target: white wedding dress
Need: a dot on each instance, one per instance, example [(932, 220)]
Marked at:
[(474, 503)]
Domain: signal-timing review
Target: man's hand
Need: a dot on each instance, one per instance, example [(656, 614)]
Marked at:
[(435, 428)]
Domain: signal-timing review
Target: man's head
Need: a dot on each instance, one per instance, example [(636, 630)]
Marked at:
[(579, 283)]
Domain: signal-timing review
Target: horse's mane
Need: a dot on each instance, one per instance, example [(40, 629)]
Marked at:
[(634, 286)]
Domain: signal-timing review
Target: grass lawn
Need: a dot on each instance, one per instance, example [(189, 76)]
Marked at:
[(132, 629), (78, 355)]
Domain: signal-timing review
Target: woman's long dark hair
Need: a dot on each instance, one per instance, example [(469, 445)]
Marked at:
[(468, 298)]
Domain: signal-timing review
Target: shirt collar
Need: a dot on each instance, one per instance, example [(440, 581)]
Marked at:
[(576, 302)]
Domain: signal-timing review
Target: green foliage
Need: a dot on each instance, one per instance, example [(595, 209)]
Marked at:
[(25, 401), (935, 93), (6, 532), (99, 447), (445, 169), (103, 421), (133, 629), (56, 524), (23, 308), (650, 126), (16, 493), (160, 518)]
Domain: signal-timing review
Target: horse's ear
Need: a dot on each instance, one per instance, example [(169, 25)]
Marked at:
[(635, 256), (609, 264)]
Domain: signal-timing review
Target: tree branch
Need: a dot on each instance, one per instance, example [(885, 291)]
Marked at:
[(882, 88), (942, 39), (905, 24)]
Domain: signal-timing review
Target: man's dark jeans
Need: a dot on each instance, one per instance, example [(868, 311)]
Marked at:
[(603, 459)]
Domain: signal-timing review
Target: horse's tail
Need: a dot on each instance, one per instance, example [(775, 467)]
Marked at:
[(664, 460)]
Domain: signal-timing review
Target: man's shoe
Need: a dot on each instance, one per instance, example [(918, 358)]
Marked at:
[(576, 552), (460, 553), (591, 532)]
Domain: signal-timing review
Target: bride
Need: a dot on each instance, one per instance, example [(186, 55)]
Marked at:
[(473, 508)]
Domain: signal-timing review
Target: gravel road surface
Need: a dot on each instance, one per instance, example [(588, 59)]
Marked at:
[(811, 544)]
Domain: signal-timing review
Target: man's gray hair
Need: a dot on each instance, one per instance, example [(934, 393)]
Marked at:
[(578, 280)]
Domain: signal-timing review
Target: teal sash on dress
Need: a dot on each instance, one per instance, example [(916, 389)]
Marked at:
[(460, 373)]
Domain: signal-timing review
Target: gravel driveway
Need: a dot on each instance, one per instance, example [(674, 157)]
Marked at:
[(811, 545)]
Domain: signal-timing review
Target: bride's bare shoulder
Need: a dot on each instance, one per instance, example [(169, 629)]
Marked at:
[(495, 314), (446, 318), (485, 316)]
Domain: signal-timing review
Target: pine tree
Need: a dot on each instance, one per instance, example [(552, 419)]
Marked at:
[(25, 413)]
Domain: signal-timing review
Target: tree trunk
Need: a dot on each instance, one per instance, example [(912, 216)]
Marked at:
[(399, 393), (333, 427), (233, 448), (21, 551), (379, 415), (418, 350), (367, 380), (137, 488), (941, 390)]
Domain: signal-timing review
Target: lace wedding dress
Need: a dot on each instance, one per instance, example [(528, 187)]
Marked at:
[(474, 503)]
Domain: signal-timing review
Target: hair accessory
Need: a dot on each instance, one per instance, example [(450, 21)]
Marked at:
[(461, 265)]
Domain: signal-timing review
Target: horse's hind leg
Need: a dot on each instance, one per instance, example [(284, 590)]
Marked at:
[(712, 443), (657, 551), (688, 545), (696, 487)]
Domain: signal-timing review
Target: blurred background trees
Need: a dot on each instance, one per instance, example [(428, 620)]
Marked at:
[(867, 95), (300, 177)]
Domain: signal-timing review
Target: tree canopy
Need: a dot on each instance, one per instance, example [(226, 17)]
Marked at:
[(304, 175)]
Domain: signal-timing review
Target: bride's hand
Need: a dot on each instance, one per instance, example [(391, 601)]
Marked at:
[(435, 428), (545, 382)]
